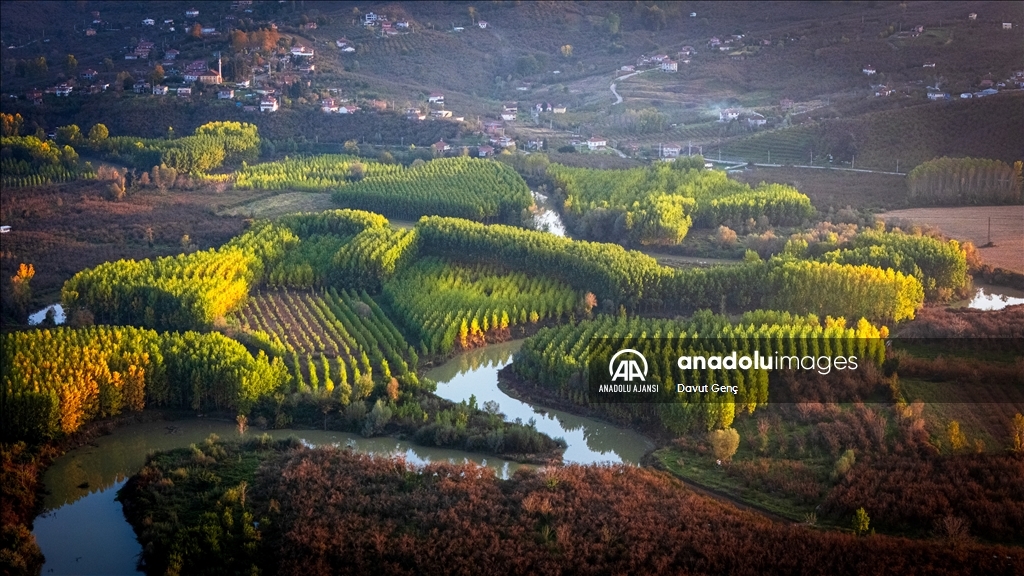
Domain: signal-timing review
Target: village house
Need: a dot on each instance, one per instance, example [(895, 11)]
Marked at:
[(441, 113), (929, 65), (482, 23), (207, 30), (34, 96), (869, 70), (159, 90), (986, 83), (596, 143), (90, 31), (670, 150), (510, 107), (142, 87), (728, 114), (1007, 26), (505, 142), (441, 146), (755, 120), (369, 19), (484, 151), (226, 94), (494, 127), (328, 105), (404, 24), (669, 66), (938, 96), (628, 68), (268, 104), (687, 51), (972, 16), (558, 109), (191, 13), (347, 109), (63, 90), (882, 91), (302, 52), (341, 42), (171, 54), (184, 91), (89, 74), (508, 116), (436, 98), (148, 22)]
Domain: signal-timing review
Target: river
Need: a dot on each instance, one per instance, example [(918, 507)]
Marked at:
[(83, 530)]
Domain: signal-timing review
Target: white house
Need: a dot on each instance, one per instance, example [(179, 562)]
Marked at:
[(64, 90), (482, 24), (671, 150), (669, 66), (596, 143), (348, 48), (436, 98), (755, 120), (191, 13), (226, 94), (185, 91), (341, 42), (148, 22), (558, 109), (938, 96), (485, 151), (441, 113), (328, 105), (1007, 26), (347, 109), (369, 19), (159, 90), (302, 51), (929, 65), (972, 16), (728, 114), (869, 70), (401, 24), (508, 116), (268, 104)]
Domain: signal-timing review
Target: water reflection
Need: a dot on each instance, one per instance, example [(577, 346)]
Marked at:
[(37, 317), (983, 301), (547, 218), (83, 530), (589, 441)]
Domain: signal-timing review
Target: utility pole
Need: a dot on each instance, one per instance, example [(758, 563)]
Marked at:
[(769, 155), (897, 165), (989, 230), (853, 162)]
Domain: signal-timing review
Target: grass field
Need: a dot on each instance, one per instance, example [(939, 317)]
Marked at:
[(278, 204), (835, 188), (971, 223), (984, 412)]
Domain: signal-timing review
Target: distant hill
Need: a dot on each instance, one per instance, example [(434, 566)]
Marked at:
[(986, 128)]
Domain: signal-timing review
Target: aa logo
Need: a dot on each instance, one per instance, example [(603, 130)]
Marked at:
[(627, 368)]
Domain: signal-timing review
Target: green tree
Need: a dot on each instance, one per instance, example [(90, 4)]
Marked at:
[(69, 135), (861, 522), (611, 22), (724, 443), (70, 64), (98, 133)]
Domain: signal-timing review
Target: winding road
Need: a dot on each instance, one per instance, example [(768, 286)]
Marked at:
[(618, 99)]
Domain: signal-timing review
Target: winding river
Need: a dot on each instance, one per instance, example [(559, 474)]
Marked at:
[(83, 530)]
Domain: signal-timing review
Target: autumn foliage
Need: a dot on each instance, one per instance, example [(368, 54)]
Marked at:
[(334, 511)]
